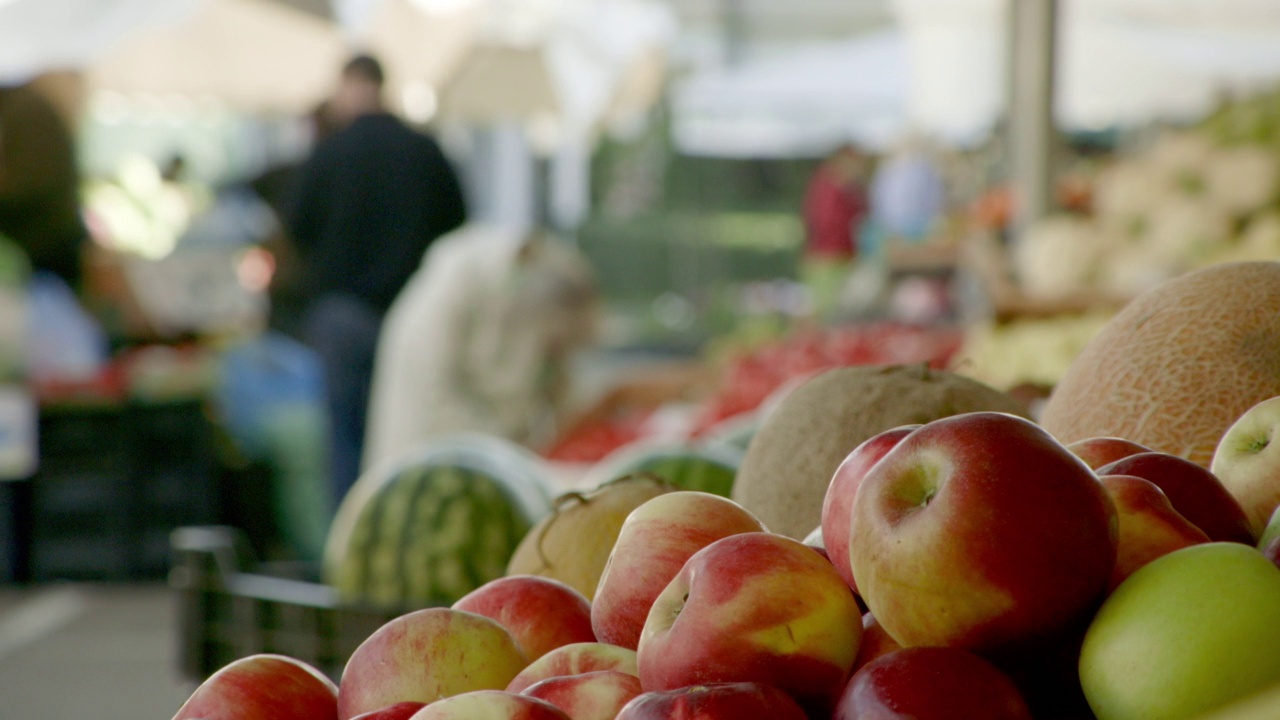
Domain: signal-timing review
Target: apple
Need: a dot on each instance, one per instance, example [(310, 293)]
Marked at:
[(655, 541), (540, 613), (1193, 491), (1271, 532), (590, 696), (931, 683), (490, 705), (1247, 461), (427, 655), (715, 701), (755, 607), (876, 642), (980, 531), (1149, 526), (1263, 706), (399, 711), (575, 659), (1272, 552), (1186, 634), (263, 687), (837, 506), (1099, 451)]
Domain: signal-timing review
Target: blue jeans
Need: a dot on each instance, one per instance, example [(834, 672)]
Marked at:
[(343, 331)]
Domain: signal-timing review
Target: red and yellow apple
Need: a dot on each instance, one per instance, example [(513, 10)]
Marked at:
[(837, 506), (1193, 491), (980, 531), (540, 613), (490, 705), (399, 711), (755, 607), (1247, 462), (931, 683), (655, 541), (576, 659), (263, 687), (427, 655), (1097, 452), (1149, 526), (876, 642), (715, 701), (590, 696)]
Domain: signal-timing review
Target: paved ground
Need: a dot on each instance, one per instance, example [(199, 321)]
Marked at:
[(88, 651)]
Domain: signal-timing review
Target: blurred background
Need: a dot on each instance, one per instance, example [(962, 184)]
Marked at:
[(735, 194)]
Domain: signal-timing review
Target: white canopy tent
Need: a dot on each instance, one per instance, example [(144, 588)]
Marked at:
[(253, 55), (943, 71)]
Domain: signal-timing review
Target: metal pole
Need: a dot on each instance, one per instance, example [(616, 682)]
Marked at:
[(733, 15), (1032, 45)]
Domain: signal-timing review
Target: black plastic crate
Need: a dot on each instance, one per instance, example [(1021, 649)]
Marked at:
[(230, 607), (113, 482)]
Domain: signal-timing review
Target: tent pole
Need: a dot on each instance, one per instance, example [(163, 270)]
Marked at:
[(1032, 45)]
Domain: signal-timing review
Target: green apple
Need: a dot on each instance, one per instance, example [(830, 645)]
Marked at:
[(1186, 634), (1263, 706), (1247, 461), (1272, 533)]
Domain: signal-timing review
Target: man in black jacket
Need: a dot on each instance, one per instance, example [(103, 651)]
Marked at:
[(371, 199)]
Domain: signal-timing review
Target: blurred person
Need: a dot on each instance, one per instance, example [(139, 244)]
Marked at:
[(835, 205), (367, 204), (40, 184), (908, 195), (480, 341)]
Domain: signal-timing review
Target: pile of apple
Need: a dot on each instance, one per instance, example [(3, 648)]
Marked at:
[(970, 568)]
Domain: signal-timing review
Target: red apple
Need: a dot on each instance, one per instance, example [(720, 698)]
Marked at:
[(540, 613), (427, 655), (931, 683), (263, 687), (759, 608), (1193, 491), (576, 659), (1099, 451), (838, 503), (876, 642), (716, 701), (490, 705), (654, 543), (1149, 526), (399, 711), (980, 531), (591, 696)]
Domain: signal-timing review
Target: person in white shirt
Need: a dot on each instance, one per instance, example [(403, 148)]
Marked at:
[(479, 341)]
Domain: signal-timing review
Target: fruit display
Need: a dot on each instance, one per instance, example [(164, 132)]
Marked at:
[(1177, 366), (436, 527), (572, 544), (1188, 199), (790, 462), (705, 468), (960, 562)]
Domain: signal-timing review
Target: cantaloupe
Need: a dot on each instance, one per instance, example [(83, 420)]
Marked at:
[(1178, 365), (572, 545), (789, 464)]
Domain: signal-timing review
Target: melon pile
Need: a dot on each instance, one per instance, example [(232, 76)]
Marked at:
[(1178, 365)]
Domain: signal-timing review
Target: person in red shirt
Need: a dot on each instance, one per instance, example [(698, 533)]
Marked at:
[(835, 205)]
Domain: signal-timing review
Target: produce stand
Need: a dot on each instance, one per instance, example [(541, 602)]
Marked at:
[(230, 607)]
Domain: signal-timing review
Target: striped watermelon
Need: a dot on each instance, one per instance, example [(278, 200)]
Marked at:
[(435, 526), (706, 468)]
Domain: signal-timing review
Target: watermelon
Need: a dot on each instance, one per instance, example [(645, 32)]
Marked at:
[(705, 468), (436, 525)]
